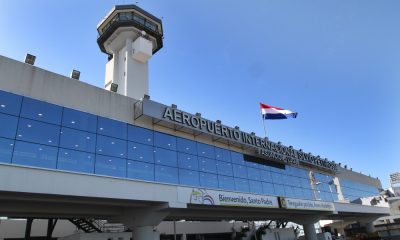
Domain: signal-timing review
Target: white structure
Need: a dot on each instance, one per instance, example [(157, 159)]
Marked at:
[(130, 36)]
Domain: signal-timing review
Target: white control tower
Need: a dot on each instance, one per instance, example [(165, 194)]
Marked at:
[(130, 36)]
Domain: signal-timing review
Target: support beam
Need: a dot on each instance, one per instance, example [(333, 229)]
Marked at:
[(28, 228), (309, 231)]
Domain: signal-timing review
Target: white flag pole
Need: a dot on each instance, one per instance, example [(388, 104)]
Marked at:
[(263, 122)]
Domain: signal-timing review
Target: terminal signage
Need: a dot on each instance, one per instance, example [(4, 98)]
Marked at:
[(222, 198), (301, 204), (263, 147)]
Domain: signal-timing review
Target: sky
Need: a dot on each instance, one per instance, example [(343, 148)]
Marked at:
[(336, 63)]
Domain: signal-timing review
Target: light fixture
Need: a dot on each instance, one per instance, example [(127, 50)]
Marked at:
[(30, 59), (75, 74), (114, 87)]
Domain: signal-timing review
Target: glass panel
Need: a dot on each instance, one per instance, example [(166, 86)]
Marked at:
[(138, 19), (110, 166), (10, 103), (112, 128), (205, 150), (166, 174), (140, 135), (188, 177), (111, 146), (305, 183), (268, 188), (75, 161), (38, 132), (253, 173), (186, 146), (279, 190), (277, 177), (226, 182), (41, 111), (8, 126), (266, 176), (6, 149), (222, 154), (140, 170), (289, 191), (207, 165), (165, 141), (77, 140), (256, 187), (224, 168), (239, 171), (165, 157), (150, 25), (125, 16), (252, 164), (238, 158), (35, 155), (208, 180), (79, 120), (241, 185), (141, 152), (188, 161)]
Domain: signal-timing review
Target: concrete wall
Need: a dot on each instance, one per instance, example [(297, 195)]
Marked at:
[(12, 228)]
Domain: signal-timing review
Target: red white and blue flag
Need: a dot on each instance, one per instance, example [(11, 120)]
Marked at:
[(269, 112)]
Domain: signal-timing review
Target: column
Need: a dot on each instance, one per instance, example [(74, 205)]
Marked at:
[(145, 233), (309, 231)]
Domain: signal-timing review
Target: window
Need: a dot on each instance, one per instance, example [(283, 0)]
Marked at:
[(10, 103), (188, 161), (140, 135), (165, 157), (268, 188), (166, 174), (241, 185), (111, 146), (279, 190), (239, 171), (8, 126), (35, 155), (188, 177), (138, 19), (252, 164), (140, 152), (253, 173), (165, 141), (41, 111), (265, 176), (6, 149), (205, 150), (208, 180), (237, 158), (222, 154), (225, 182), (140, 170), (277, 178), (75, 161), (77, 140), (207, 165), (79, 120), (111, 128), (110, 166), (38, 132), (186, 146), (256, 187), (125, 16), (224, 168), (151, 25)]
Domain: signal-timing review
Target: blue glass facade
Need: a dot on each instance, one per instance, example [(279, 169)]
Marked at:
[(40, 134)]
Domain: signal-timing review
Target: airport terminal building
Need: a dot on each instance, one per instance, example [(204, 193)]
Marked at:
[(72, 150)]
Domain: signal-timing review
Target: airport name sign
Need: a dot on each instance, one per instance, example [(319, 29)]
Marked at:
[(264, 147)]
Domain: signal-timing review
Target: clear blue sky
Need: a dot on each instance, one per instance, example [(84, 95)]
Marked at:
[(337, 63)]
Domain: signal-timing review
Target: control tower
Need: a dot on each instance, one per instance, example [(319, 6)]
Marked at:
[(130, 36)]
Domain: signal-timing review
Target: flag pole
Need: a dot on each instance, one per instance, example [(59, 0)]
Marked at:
[(263, 122)]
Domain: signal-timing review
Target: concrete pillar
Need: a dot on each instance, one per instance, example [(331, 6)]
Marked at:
[(369, 227), (183, 237), (145, 233), (309, 231)]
